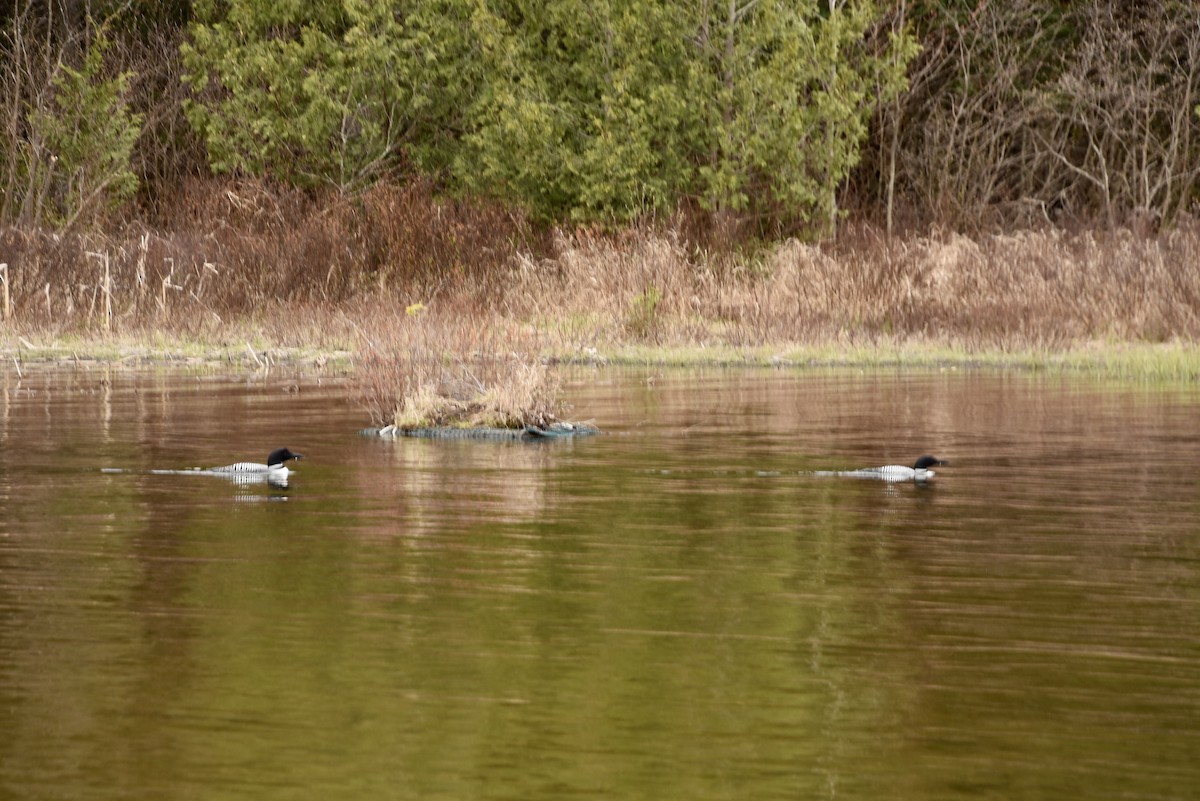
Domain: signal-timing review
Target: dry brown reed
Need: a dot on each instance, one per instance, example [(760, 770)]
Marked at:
[(224, 250), (1032, 289), (500, 294)]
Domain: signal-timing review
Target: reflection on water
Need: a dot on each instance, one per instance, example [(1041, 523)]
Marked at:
[(679, 608), (424, 479)]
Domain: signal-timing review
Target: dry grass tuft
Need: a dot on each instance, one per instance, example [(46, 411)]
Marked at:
[(436, 368)]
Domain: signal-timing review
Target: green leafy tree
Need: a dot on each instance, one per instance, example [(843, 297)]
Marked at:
[(324, 92), (609, 109), (794, 89), (586, 108), (85, 138)]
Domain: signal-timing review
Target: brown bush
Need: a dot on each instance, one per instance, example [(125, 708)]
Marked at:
[(226, 248)]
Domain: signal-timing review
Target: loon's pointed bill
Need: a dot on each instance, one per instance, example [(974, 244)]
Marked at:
[(920, 471)]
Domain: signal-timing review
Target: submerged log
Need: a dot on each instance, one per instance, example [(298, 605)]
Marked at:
[(552, 431)]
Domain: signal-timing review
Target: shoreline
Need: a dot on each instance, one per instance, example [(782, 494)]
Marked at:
[(1103, 303), (1171, 361)]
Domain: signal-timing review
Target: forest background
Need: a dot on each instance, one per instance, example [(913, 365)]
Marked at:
[(752, 178)]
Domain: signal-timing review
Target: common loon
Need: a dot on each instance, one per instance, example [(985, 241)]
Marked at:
[(894, 472), (275, 463), (274, 472)]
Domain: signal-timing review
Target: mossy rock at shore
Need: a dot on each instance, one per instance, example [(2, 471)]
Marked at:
[(552, 431)]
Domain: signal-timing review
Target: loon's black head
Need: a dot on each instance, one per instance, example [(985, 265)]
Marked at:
[(926, 462), (281, 455)]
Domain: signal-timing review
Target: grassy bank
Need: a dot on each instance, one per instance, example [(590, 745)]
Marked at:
[(419, 292), (1151, 361)]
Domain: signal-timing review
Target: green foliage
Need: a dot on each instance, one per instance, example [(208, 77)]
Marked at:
[(608, 110), (641, 321), (88, 134), (324, 92), (796, 89), (252, 72), (586, 109), (591, 110)]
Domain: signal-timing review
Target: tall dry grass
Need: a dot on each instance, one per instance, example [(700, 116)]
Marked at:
[(224, 250), (1032, 289), (235, 259)]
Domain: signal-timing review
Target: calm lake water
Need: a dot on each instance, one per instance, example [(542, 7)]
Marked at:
[(676, 609)]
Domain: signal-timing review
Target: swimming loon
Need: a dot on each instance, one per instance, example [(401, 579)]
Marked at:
[(275, 464), (274, 472), (894, 472)]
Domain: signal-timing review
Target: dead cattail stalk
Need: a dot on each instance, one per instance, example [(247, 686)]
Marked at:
[(254, 356), (107, 294), (201, 273), (143, 248), (166, 284), (105, 287), (7, 295)]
